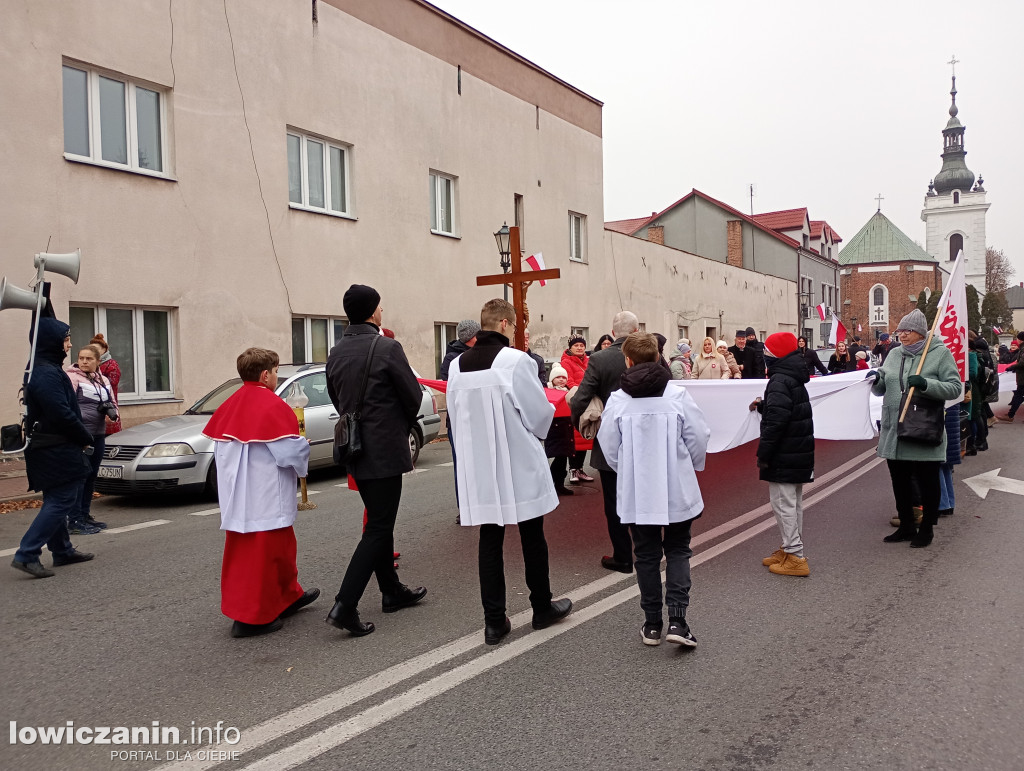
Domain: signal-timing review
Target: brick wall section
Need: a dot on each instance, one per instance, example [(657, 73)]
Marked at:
[(901, 283), (656, 234), (734, 243)]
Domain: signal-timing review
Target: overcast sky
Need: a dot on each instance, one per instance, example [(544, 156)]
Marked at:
[(819, 104)]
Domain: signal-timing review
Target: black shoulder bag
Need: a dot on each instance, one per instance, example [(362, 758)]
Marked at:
[(925, 421), (348, 442)]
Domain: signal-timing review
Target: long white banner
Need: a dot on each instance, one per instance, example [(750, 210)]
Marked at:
[(842, 406)]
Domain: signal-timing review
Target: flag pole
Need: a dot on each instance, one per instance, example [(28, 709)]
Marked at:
[(939, 313)]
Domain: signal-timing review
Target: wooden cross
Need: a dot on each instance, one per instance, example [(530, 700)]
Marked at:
[(519, 280), (879, 199)]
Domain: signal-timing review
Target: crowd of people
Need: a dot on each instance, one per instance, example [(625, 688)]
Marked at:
[(648, 439)]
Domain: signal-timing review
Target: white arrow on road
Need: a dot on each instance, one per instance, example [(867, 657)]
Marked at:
[(991, 480)]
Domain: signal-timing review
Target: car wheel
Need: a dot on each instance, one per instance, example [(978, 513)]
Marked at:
[(210, 490), (414, 444)]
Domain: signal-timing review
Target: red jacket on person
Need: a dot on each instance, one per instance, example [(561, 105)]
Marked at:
[(574, 367)]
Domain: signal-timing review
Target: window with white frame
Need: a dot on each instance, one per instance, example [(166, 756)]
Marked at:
[(313, 337), (577, 237), (319, 174), (141, 342), (444, 333), (583, 332), (879, 304), (442, 203), (114, 121)]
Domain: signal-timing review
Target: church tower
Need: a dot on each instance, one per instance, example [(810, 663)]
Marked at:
[(955, 206)]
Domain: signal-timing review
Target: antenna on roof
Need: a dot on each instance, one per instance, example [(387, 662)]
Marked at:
[(753, 192)]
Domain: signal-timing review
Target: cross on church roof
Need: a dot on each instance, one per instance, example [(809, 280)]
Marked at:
[(954, 61), (879, 199)]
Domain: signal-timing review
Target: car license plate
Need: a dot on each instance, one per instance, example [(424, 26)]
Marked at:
[(110, 472)]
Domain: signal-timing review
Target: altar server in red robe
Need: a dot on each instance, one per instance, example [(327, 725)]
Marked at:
[(259, 455)]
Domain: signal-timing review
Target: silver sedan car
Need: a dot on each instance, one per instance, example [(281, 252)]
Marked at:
[(171, 454)]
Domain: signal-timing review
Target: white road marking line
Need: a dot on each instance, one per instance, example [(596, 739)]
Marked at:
[(108, 531), (416, 471), (343, 484), (287, 722), (442, 465), (204, 513), (138, 526), (340, 733)]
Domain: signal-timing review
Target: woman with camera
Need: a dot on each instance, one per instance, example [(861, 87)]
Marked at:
[(96, 400)]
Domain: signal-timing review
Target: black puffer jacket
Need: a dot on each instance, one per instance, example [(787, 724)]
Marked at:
[(786, 450), (54, 457), (455, 348)]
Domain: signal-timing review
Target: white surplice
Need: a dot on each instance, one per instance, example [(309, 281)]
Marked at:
[(655, 444), (500, 417), (256, 483)]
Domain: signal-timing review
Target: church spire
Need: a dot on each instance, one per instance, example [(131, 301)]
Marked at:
[(954, 174)]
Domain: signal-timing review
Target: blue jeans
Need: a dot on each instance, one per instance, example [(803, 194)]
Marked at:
[(50, 527), (81, 512), (947, 497)]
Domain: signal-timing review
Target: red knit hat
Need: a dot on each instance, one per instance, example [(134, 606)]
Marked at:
[(780, 344)]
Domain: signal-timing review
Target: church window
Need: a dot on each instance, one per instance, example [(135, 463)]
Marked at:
[(956, 196), (879, 302), (956, 243)]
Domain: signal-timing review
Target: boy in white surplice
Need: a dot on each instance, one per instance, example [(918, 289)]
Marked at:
[(655, 438), (500, 414)]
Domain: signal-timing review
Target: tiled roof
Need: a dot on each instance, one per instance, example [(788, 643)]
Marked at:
[(787, 219), (629, 227), (881, 241), (818, 225)]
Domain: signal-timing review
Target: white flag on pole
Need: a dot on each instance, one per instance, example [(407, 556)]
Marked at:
[(952, 328)]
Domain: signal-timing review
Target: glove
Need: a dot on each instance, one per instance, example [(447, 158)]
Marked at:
[(873, 375), (918, 382)]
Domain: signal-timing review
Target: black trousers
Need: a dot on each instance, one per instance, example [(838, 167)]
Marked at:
[(375, 553), (622, 544), (558, 471), (492, 568), (576, 459), (922, 476)]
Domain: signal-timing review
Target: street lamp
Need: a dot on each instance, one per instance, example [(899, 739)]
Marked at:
[(502, 239)]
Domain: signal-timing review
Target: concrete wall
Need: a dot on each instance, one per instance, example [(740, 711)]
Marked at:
[(217, 242), (668, 288)]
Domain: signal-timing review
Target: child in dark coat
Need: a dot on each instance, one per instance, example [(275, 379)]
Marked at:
[(785, 454), (560, 443)]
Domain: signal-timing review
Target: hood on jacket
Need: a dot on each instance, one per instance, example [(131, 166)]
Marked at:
[(456, 346), (647, 379), (792, 364), (51, 340)]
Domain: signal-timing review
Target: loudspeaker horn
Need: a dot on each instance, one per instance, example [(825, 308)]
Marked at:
[(65, 264), (12, 296)]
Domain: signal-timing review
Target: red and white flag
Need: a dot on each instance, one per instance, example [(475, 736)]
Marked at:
[(822, 311), (536, 261), (838, 332), (952, 313), (997, 330)]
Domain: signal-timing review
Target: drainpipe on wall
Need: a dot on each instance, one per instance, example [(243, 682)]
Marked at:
[(799, 293)]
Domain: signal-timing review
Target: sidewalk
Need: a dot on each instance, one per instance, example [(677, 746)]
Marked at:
[(13, 483)]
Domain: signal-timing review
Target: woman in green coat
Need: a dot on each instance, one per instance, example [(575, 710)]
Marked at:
[(912, 461)]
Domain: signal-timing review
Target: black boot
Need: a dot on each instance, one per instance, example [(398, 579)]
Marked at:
[(348, 619), (926, 532)]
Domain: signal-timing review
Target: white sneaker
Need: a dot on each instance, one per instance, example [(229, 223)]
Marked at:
[(582, 476)]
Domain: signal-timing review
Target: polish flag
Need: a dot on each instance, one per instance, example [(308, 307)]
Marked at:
[(822, 311), (997, 330), (536, 261), (838, 331), (860, 327)]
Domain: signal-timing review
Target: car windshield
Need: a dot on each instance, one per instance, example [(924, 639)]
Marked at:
[(209, 403)]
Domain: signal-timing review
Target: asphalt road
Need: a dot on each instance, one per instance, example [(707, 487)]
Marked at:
[(885, 658)]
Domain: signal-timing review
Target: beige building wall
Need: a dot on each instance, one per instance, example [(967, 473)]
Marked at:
[(217, 243)]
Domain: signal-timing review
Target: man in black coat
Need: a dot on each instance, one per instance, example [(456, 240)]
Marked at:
[(465, 338), (601, 378), (389, 408), (55, 459), (758, 369), (785, 454), (744, 356)]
